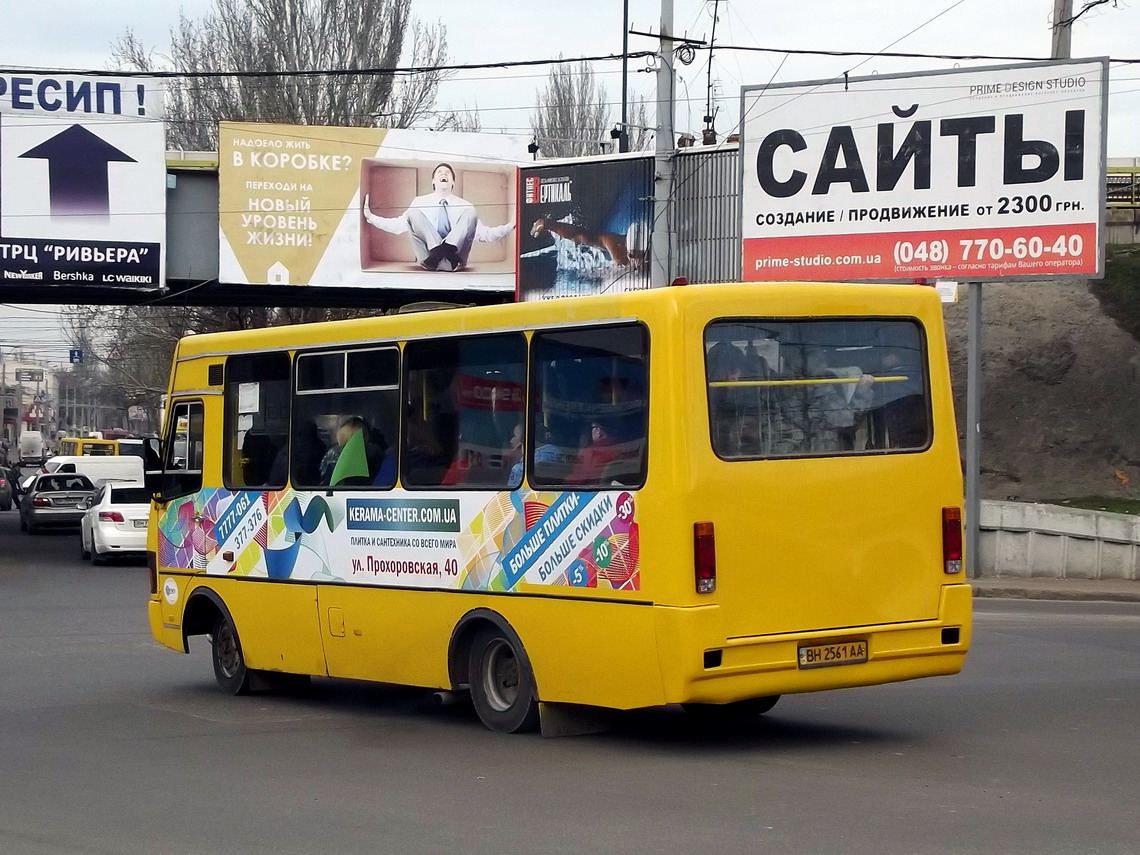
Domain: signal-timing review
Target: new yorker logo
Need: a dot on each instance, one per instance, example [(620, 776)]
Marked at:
[(972, 140)]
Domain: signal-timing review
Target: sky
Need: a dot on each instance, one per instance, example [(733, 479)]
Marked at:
[(78, 34)]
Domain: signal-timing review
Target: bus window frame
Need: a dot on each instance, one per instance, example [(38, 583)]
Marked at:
[(457, 339), (397, 387), (825, 455), (228, 423), (173, 482), (532, 398)]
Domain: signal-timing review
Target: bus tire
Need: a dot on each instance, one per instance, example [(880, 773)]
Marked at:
[(229, 661), (738, 710), (502, 682)]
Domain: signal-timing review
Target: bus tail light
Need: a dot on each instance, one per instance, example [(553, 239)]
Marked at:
[(952, 540), (152, 570), (111, 516), (704, 557)]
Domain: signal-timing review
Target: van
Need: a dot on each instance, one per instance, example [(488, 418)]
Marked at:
[(98, 468), (31, 447)]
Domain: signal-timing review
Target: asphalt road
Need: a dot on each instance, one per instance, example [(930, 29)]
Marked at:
[(111, 744)]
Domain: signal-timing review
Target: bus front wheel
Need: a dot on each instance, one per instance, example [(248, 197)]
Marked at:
[(229, 662), (502, 682)]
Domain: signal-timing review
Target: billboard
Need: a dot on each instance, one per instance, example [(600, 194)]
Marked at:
[(585, 227), (82, 181), (969, 174), (368, 207)]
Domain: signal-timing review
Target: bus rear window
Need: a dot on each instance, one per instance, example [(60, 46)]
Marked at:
[(792, 388)]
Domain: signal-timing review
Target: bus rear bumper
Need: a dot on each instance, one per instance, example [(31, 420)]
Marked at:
[(696, 670)]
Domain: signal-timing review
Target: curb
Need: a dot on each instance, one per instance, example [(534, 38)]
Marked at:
[(1058, 589)]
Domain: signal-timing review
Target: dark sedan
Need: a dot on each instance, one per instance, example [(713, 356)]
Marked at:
[(54, 500)]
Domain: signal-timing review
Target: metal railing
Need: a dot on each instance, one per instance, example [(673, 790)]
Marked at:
[(1122, 187)]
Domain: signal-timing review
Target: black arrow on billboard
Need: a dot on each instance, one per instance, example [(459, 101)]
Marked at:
[(77, 171)]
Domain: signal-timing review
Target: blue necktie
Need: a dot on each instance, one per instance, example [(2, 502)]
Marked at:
[(442, 224)]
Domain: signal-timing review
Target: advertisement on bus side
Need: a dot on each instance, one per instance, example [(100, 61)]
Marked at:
[(969, 174), (465, 540)]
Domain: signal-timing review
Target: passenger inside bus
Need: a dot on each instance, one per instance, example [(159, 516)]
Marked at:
[(599, 452), (356, 458), (899, 415)]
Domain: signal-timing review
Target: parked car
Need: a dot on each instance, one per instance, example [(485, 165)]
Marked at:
[(115, 521), (54, 500)]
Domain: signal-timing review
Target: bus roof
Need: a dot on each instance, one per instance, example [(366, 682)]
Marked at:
[(783, 299)]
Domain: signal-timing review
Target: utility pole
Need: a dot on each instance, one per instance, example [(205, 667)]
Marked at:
[(662, 240), (1062, 29), (623, 140), (709, 136)]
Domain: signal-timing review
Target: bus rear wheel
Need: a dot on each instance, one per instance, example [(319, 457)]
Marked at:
[(502, 682), (229, 662), (738, 710)]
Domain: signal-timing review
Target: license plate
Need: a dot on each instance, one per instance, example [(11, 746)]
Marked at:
[(840, 653), (140, 523)]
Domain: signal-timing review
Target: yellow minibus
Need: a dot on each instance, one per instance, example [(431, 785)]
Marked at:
[(703, 495), (78, 446)]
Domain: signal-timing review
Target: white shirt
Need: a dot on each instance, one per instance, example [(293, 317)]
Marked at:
[(430, 206)]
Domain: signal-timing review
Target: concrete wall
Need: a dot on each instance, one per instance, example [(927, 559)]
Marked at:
[(1122, 226), (1020, 540)]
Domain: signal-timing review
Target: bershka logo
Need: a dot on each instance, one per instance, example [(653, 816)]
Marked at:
[(530, 194), (556, 190)]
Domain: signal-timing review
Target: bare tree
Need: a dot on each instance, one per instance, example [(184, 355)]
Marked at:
[(128, 349), (572, 116), (642, 132), (1086, 7), (258, 39)]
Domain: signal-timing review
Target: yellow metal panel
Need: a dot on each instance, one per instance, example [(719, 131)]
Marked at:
[(586, 653), (276, 623)]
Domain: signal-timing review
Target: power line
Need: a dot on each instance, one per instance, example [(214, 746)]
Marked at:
[(338, 72), (906, 55)]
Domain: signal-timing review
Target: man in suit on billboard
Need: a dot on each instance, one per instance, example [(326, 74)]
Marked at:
[(441, 225)]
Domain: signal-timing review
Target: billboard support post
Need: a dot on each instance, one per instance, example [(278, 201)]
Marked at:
[(662, 241), (973, 429)]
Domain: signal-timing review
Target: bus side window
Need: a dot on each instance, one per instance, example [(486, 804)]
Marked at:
[(590, 418), (464, 401), (345, 419), (256, 417)]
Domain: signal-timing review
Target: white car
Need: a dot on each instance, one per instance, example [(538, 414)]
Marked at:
[(115, 521)]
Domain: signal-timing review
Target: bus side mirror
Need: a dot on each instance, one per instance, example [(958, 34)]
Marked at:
[(152, 453), (152, 478)]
